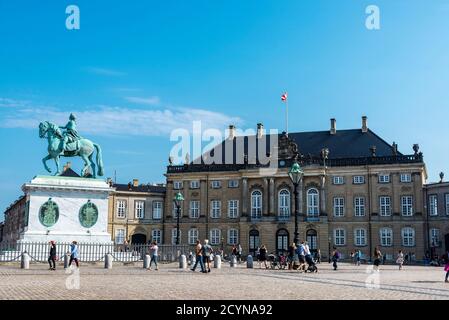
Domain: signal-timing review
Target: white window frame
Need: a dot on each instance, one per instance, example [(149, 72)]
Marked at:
[(215, 209), (194, 209), (434, 234), (234, 183), (139, 209), (408, 237), (339, 206), (177, 185), (359, 206), (256, 204), (313, 202), (340, 237), (121, 209), (386, 237), (384, 207), (173, 236), (193, 235), (405, 177), (407, 205), (284, 203), (215, 184), (120, 236), (358, 179), (233, 236), (433, 205), (384, 178), (338, 180), (233, 209), (215, 236), (360, 237), (157, 210), (156, 235), (446, 197), (195, 184)]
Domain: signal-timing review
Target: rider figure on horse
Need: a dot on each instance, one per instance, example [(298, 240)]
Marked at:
[(71, 133)]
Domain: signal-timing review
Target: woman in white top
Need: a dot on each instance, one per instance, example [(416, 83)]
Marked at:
[(400, 259)]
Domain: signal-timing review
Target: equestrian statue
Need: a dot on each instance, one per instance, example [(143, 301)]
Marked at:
[(69, 143)]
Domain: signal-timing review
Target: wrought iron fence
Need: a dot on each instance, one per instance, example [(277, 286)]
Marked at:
[(90, 252)]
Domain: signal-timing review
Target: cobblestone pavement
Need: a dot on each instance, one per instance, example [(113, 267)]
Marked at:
[(170, 282)]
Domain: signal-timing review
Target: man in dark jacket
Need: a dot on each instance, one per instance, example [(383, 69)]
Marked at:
[(52, 256)]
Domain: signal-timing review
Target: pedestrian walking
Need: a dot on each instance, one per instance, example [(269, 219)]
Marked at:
[(335, 258), (263, 256), (207, 251), (239, 252), (74, 254), (199, 256), (358, 256), (318, 256), (446, 266), (400, 259), (153, 253), (377, 257), (52, 256)]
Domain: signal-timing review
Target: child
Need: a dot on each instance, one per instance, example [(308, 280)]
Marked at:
[(400, 259)]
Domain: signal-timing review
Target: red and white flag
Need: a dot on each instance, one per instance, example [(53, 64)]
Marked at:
[(284, 97)]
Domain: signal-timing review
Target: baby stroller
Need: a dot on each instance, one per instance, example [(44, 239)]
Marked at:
[(311, 264), (274, 263), (283, 263)]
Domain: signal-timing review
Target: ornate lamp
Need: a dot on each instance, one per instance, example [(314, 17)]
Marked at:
[(178, 202), (295, 173)]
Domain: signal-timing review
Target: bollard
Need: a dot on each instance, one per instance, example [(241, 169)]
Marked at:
[(146, 261), (25, 261), (217, 261), (108, 261), (66, 261), (249, 262), (233, 262), (182, 262), (193, 260)]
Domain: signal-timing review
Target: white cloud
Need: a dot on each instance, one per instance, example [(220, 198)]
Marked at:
[(11, 103), (105, 72), (107, 120), (148, 101)]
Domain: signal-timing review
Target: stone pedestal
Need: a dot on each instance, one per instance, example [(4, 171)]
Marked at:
[(66, 209)]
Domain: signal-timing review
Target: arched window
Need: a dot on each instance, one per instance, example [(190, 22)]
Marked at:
[(284, 203), (311, 236), (174, 235), (386, 237), (215, 236), (256, 204), (408, 237), (281, 241), (312, 202), (193, 236)]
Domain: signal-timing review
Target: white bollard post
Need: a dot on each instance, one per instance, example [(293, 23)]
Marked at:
[(25, 261), (146, 261), (66, 260), (249, 262), (233, 262), (217, 261), (182, 262), (108, 261)]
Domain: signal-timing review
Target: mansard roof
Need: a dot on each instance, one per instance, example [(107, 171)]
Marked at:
[(140, 188)]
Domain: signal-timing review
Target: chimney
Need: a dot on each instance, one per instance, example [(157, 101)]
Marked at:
[(135, 182), (231, 132), (364, 124), (259, 130), (333, 126)]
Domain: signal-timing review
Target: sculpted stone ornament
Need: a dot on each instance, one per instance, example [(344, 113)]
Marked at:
[(70, 144), (88, 215), (49, 213)]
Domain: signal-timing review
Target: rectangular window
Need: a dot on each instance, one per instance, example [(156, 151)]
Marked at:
[(434, 237), (233, 208), (339, 237), (139, 209), (194, 209), (119, 236), (360, 237), (359, 206), (408, 237), (194, 184), (338, 180), (177, 185), (193, 236), (384, 178), (358, 179), (157, 210), (386, 237), (215, 235), (385, 206), (156, 235), (215, 209), (121, 208), (339, 207), (233, 184), (216, 184), (233, 236), (447, 203), (406, 177), (407, 205), (433, 205)]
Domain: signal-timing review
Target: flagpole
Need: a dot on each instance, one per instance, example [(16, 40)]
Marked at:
[(286, 116)]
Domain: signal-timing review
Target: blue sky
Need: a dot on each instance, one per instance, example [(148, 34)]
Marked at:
[(135, 71)]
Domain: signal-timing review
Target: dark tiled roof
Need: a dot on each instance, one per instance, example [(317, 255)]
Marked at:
[(140, 188), (70, 173)]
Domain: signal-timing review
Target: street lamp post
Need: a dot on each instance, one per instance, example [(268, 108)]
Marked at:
[(178, 202), (295, 175)]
